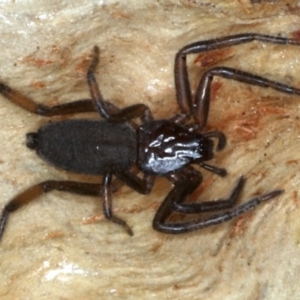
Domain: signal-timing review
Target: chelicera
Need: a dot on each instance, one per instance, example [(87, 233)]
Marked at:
[(117, 146)]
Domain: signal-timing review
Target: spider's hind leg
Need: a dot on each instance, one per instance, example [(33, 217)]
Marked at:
[(32, 193), (78, 106)]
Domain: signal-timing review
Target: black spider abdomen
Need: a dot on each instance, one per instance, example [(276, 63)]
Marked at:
[(85, 146)]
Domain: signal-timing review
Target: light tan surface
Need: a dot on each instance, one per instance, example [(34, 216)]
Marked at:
[(59, 247)]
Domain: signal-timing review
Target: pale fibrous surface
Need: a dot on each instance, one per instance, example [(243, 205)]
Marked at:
[(60, 246)]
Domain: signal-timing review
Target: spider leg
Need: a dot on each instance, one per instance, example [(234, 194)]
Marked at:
[(107, 203), (183, 90), (126, 114), (219, 171), (202, 98), (181, 192), (141, 185), (218, 135), (77, 106), (74, 107), (81, 188), (97, 98), (135, 111), (207, 206), (84, 105)]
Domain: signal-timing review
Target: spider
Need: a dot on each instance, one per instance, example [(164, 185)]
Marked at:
[(116, 145)]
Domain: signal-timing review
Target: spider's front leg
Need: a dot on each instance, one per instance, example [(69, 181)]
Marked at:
[(199, 108), (185, 183)]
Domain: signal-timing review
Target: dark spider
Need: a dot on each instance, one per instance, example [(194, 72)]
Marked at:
[(157, 147)]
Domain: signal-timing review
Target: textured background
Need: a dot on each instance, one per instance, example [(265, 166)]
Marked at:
[(59, 247)]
